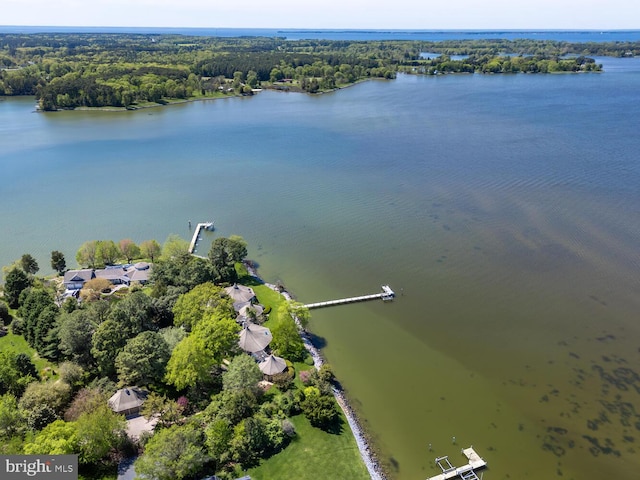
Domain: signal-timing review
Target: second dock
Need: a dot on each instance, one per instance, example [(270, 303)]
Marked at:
[(387, 294)]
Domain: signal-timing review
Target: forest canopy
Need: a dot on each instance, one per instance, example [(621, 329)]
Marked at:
[(131, 70)]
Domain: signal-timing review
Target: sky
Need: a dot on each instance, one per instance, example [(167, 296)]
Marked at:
[(328, 14)]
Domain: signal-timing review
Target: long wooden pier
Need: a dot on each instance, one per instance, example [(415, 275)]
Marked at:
[(196, 234), (387, 294), (466, 472)]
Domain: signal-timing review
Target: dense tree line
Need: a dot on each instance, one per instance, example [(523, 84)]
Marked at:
[(126, 70), (501, 64)]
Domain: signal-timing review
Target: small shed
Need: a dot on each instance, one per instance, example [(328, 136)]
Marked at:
[(128, 401)]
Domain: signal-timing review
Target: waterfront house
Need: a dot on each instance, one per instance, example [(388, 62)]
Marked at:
[(241, 296), (254, 338), (116, 274), (75, 279)]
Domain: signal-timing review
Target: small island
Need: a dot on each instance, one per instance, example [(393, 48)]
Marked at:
[(190, 365), (130, 71)]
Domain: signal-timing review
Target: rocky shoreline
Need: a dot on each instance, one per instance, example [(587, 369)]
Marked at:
[(368, 456)]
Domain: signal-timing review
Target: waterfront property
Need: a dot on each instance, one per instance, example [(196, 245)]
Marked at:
[(116, 274)]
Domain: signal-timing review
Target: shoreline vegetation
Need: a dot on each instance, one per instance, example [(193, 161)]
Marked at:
[(367, 453), (174, 333), (67, 71)]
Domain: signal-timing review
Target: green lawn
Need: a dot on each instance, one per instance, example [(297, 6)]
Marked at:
[(17, 344), (315, 454)]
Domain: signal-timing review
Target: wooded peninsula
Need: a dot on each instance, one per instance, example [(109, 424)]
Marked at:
[(66, 71)]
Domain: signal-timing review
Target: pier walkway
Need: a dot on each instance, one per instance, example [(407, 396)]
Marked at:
[(196, 234), (387, 294), (466, 472)]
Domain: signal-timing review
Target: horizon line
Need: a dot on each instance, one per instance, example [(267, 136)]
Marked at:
[(336, 29)]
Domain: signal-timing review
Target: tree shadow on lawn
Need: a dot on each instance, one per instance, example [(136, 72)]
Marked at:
[(336, 427)]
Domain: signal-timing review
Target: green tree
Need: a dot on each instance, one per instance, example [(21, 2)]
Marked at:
[(29, 264), (72, 374), (107, 252), (25, 366), (34, 303), (174, 246), (189, 363), (243, 374), (107, 342), (12, 421), (87, 254), (232, 406), (5, 316), (129, 249), (75, 333), (219, 433), (58, 262), (172, 336), (173, 454), (134, 314), (15, 281), (143, 360), (320, 410), (12, 379), (150, 249), (55, 394), (192, 306), (286, 340), (57, 438), (219, 333), (224, 254), (99, 433), (168, 412)]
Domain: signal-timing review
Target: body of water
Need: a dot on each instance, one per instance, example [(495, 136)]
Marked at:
[(504, 210), (573, 36)]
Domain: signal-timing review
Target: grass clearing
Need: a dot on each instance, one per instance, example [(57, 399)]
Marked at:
[(18, 344), (315, 454)]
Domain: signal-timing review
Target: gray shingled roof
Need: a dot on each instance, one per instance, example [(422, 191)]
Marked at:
[(83, 275), (254, 338), (273, 365), (127, 399), (240, 293)]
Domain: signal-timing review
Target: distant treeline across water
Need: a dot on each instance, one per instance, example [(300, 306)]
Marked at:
[(573, 36)]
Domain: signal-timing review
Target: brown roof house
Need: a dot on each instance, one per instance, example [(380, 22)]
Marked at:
[(128, 401)]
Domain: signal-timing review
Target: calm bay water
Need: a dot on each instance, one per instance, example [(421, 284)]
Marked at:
[(504, 211), (574, 36)]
